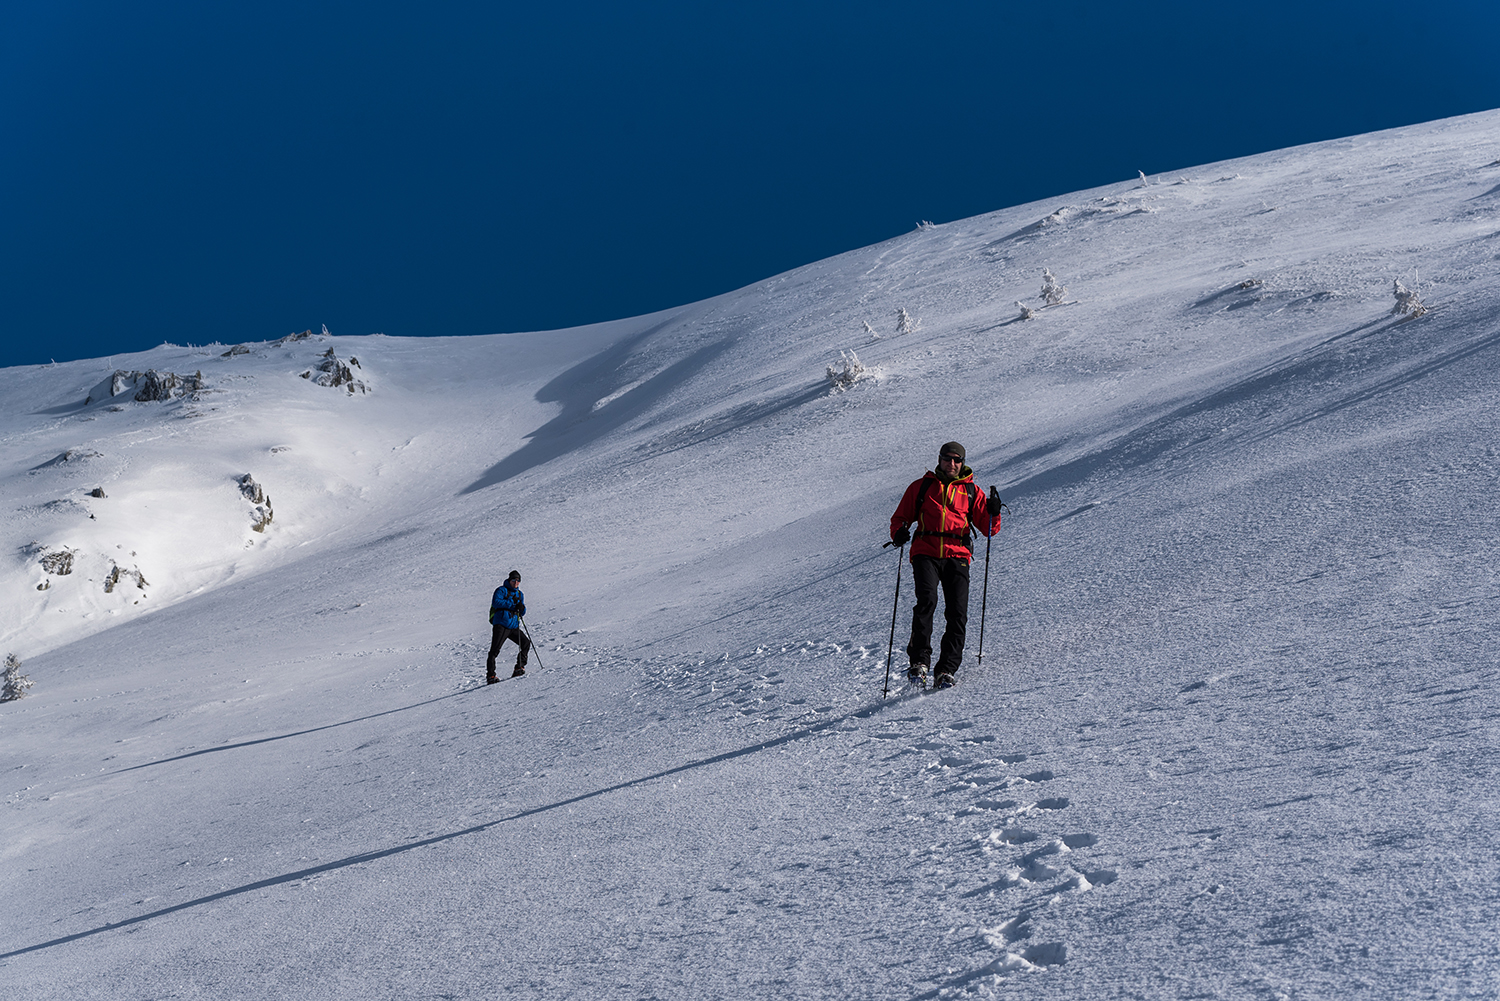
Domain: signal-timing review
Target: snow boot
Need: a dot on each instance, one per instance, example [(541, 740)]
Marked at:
[(519, 672), (917, 674), (943, 681), (490, 679)]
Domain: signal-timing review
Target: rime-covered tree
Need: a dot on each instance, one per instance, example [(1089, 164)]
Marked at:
[(846, 374), (1053, 291), (15, 683), (1407, 300)]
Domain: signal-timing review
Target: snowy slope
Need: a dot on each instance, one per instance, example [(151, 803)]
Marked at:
[(1233, 734)]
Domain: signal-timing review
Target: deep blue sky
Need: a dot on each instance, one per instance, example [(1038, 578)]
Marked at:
[(191, 172)]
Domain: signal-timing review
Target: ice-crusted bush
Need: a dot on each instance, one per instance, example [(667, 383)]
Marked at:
[(904, 322), (874, 334), (849, 371), (15, 683), (1026, 311), (1053, 291), (1407, 300)]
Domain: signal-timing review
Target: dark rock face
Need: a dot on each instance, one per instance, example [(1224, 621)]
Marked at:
[(116, 575), (261, 515), (165, 385), (253, 491), (335, 373), (58, 563), (150, 386)]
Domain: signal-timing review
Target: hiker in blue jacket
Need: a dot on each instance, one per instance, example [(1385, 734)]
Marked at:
[(507, 609)]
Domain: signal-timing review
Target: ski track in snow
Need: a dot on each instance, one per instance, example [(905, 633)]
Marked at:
[(1233, 734)]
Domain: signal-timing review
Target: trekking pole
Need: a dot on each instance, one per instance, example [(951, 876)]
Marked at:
[(890, 649), (985, 599), (539, 656)]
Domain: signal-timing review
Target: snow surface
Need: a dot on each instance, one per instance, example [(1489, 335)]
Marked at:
[(1233, 736)]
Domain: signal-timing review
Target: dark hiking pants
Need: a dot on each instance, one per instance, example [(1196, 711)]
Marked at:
[(501, 634), (952, 575)]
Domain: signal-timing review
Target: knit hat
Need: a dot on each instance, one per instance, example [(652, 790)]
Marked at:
[(514, 575), (953, 448)]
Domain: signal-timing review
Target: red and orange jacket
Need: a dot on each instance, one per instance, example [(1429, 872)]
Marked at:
[(941, 527)]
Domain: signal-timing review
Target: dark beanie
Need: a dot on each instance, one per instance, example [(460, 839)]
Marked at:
[(952, 448), (514, 575)]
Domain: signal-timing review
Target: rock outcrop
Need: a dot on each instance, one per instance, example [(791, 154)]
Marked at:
[(145, 387), (261, 514), (335, 373), (116, 575)]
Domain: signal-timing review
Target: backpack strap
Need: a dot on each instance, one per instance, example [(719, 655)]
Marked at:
[(968, 534), (921, 496)]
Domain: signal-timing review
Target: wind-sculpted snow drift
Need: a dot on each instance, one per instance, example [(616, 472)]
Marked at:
[(1231, 736)]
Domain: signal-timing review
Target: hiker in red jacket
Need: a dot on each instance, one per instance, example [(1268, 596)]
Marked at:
[(943, 505)]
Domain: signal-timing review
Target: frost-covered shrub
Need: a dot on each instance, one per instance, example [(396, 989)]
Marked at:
[(874, 334), (848, 372), (1407, 300), (1026, 311), (1053, 291), (14, 684), (925, 225), (904, 322)]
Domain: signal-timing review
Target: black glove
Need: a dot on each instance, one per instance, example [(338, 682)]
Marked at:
[(521, 611), (995, 502), (901, 536)]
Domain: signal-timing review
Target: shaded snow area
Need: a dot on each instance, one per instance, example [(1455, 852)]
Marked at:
[(1233, 735)]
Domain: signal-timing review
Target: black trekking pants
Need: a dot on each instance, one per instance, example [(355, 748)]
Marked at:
[(952, 575), (501, 634)]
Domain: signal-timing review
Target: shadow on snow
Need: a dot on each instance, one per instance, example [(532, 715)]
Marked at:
[(374, 856), (585, 418)]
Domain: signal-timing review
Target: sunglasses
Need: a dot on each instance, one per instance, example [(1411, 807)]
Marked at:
[(950, 458)]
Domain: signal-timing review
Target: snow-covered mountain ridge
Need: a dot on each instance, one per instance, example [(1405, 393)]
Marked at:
[(1231, 735)]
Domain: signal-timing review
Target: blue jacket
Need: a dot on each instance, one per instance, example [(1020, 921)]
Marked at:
[(507, 607)]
